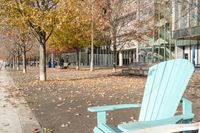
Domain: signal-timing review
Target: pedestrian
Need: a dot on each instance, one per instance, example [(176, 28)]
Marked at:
[(49, 63), (62, 63), (1, 64)]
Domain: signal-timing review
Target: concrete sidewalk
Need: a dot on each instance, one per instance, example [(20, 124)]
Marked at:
[(15, 115)]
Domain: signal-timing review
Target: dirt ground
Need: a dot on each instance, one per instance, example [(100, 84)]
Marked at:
[(61, 103)]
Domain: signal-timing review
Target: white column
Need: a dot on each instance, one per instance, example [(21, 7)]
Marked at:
[(120, 58), (137, 53), (179, 52), (198, 54)]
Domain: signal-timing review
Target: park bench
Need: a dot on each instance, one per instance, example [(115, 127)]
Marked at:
[(137, 68), (66, 65), (165, 86)]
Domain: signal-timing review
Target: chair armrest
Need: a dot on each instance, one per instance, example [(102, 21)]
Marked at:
[(113, 107), (169, 128), (147, 124)]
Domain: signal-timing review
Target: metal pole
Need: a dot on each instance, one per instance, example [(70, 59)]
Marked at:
[(152, 61), (164, 33), (170, 48), (159, 33), (92, 40)]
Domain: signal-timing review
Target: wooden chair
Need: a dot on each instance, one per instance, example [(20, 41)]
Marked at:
[(165, 86)]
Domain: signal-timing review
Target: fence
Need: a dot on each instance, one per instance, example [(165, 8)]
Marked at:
[(84, 59)]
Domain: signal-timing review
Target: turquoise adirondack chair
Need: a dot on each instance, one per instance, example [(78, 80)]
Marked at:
[(165, 86)]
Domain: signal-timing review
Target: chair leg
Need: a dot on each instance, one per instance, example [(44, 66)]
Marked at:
[(187, 122), (187, 109), (97, 130)]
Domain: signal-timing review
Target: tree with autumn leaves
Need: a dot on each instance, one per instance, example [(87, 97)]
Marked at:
[(67, 20), (127, 21), (65, 24), (75, 32), (41, 17), (17, 42)]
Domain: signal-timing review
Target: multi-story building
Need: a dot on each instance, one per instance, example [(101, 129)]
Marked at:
[(131, 22), (151, 26), (186, 29), (163, 44), (144, 30)]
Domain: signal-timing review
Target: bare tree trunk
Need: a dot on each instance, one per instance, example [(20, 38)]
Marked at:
[(24, 61), (92, 58), (36, 61), (114, 43), (59, 60), (13, 62), (77, 59), (42, 61), (52, 61), (18, 63)]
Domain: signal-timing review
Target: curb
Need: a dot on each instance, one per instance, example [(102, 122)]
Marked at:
[(27, 120)]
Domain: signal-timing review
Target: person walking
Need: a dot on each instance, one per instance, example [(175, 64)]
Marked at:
[(62, 63), (1, 64)]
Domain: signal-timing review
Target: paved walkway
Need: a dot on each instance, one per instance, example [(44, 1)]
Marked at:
[(15, 117)]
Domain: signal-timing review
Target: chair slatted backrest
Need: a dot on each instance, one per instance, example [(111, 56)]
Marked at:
[(165, 86)]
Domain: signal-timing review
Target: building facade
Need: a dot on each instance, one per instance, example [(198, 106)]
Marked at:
[(186, 29), (144, 33), (152, 26), (132, 21)]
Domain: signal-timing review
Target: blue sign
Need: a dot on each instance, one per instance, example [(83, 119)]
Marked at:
[(193, 54)]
